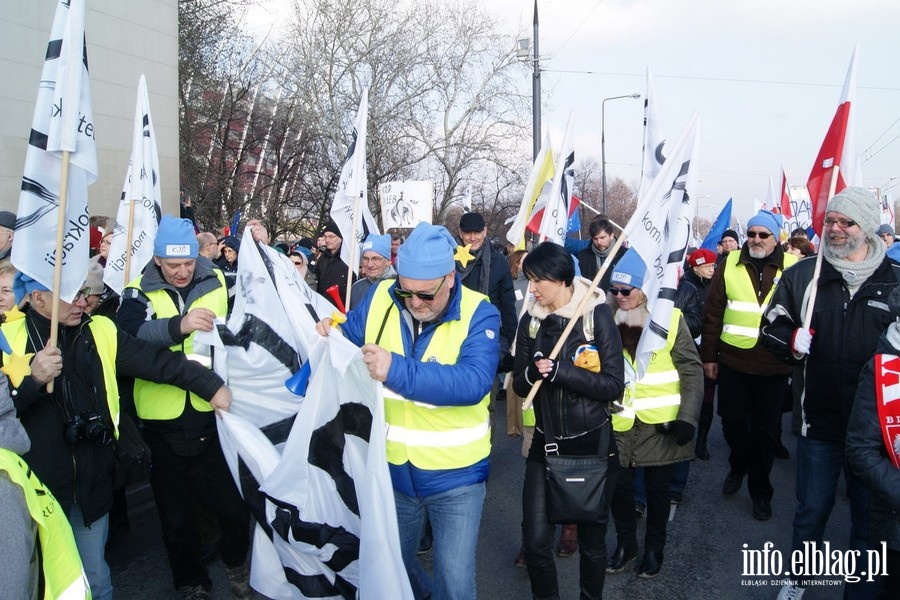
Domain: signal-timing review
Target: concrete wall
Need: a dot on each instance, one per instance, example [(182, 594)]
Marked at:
[(124, 40)]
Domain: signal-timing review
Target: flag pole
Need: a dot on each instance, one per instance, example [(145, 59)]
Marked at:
[(353, 248), (128, 239), (58, 255), (579, 311), (810, 305)]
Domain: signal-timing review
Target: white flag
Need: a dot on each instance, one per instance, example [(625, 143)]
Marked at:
[(540, 179), (352, 190), (555, 223), (141, 186), (654, 140), (312, 469), (63, 122), (467, 199), (659, 231)]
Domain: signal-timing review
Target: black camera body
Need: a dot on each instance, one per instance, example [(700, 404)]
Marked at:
[(89, 426)]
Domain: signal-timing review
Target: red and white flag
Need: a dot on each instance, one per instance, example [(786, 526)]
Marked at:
[(837, 155), (786, 209)]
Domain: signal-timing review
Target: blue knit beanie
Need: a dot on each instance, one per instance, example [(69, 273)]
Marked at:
[(378, 243), (766, 219), (23, 285), (427, 253), (175, 238), (630, 270)]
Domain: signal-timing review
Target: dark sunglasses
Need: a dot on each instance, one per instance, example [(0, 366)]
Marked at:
[(617, 291), (760, 234), (404, 294)]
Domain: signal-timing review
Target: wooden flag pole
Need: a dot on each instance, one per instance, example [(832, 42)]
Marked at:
[(128, 240), (353, 249), (579, 310), (58, 254), (813, 292)]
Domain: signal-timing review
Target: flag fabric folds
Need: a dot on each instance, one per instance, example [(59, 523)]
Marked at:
[(352, 190), (786, 208), (63, 122), (554, 223), (838, 150), (722, 222), (142, 190), (539, 184), (654, 140), (312, 469), (659, 231)]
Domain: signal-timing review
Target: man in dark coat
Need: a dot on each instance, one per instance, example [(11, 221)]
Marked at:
[(330, 268), (592, 258)]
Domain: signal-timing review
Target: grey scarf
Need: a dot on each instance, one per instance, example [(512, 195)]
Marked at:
[(855, 273)]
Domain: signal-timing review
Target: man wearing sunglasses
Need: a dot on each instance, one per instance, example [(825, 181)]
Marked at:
[(752, 382), (435, 345)]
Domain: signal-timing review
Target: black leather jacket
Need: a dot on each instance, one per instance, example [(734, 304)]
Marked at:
[(578, 398)]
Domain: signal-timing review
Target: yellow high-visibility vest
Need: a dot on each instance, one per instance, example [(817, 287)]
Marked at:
[(743, 312), (429, 436), (655, 397), (62, 574)]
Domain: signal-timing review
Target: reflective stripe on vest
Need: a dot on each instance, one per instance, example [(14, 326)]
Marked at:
[(743, 313), (61, 570), (106, 342), (160, 401), (429, 436), (655, 397)]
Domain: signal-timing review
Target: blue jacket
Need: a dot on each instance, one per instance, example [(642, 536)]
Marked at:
[(462, 384)]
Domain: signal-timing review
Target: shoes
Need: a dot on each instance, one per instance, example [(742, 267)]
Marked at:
[(193, 592), (639, 509), (762, 510), (620, 559), (520, 559), (791, 592), (650, 564), (675, 497), (568, 541), (732, 484), (239, 582), (781, 451)]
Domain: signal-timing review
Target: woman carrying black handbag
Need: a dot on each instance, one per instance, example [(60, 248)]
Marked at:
[(571, 409)]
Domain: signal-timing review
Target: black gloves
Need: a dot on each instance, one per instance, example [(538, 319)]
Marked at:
[(506, 363), (532, 374), (684, 432)]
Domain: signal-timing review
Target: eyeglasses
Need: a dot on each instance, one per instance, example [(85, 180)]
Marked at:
[(404, 294), (83, 294), (842, 223), (297, 262), (617, 291), (763, 235), (374, 259)]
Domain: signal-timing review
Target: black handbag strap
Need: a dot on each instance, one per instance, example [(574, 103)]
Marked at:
[(551, 447)]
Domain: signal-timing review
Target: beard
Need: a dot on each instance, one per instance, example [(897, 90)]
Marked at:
[(852, 244), (758, 251)]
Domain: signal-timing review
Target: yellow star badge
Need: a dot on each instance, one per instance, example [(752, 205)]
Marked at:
[(17, 368), (13, 314), (462, 255)]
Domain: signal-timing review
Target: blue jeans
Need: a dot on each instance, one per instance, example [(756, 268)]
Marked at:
[(455, 516), (91, 543), (819, 466)]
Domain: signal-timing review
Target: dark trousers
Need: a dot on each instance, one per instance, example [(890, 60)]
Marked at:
[(538, 532), (750, 407), (175, 480), (656, 486)]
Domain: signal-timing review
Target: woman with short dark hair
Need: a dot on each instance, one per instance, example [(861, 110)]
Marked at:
[(578, 387)]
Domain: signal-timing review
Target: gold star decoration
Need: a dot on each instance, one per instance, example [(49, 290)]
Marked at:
[(13, 314), (462, 255), (17, 367)]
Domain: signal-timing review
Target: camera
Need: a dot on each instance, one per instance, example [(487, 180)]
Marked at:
[(89, 426)]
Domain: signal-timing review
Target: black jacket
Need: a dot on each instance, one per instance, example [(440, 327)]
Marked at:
[(500, 290), (869, 460), (83, 472), (690, 297), (587, 263), (579, 398), (331, 270), (846, 333)]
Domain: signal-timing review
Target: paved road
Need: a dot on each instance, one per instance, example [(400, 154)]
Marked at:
[(702, 559)]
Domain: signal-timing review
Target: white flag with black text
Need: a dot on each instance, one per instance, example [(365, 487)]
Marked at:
[(654, 140), (141, 194), (555, 223), (63, 122)]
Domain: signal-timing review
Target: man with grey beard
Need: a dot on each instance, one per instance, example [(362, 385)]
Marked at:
[(850, 313), (751, 381)]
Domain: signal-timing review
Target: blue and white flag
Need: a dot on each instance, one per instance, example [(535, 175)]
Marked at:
[(660, 231), (63, 122), (141, 194), (722, 222)]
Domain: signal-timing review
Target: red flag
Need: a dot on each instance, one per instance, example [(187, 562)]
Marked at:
[(838, 150), (534, 224), (786, 209)]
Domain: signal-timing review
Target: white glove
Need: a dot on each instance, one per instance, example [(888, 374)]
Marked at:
[(802, 340)]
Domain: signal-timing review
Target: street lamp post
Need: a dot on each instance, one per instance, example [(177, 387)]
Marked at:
[(522, 53), (603, 140)]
